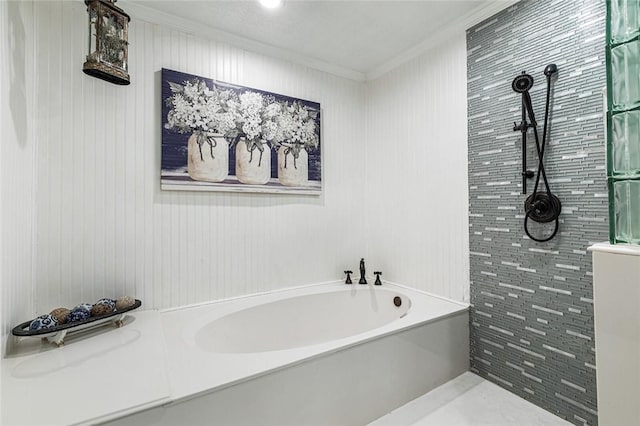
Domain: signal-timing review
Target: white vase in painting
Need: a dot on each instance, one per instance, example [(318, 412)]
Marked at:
[(253, 166), (207, 157), (293, 171)]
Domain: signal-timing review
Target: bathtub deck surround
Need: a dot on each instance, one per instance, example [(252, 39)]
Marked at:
[(422, 309), (96, 376), (332, 380), (182, 373)]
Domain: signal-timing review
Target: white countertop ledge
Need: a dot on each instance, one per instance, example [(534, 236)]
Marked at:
[(97, 376), (626, 249)]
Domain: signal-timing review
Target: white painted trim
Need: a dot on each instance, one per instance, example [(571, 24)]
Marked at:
[(475, 16), (140, 12), (628, 249)]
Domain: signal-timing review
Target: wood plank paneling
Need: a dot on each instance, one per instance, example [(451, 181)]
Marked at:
[(103, 227), (17, 167), (416, 177)]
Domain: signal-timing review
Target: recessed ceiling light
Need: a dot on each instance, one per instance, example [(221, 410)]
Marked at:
[(271, 4)]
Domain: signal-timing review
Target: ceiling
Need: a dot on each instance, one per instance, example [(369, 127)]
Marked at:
[(358, 36)]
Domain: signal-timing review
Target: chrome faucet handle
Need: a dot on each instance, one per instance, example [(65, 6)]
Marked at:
[(377, 274), (348, 280)]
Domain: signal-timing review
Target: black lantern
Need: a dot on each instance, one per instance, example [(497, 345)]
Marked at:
[(108, 45)]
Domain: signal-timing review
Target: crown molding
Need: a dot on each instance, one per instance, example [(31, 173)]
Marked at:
[(475, 16), (144, 13), (139, 11)]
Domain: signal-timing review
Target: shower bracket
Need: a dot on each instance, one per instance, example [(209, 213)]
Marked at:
[(523, 127)]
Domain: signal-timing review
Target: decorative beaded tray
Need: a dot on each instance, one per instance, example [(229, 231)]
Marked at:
[(57, 334)]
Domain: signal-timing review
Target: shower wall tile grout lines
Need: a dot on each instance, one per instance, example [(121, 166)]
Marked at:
[(532, 303)]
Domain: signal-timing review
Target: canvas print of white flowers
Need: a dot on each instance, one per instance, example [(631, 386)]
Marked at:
[(222, 137)]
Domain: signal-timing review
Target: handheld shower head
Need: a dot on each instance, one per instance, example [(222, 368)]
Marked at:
[(522, 83), (550, 70)]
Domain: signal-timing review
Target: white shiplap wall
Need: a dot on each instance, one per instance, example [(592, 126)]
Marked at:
[(417, 196), (104, 228), (86, 217), (17, 162)]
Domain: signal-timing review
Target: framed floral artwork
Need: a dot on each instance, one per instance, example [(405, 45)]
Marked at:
[(218, 136)]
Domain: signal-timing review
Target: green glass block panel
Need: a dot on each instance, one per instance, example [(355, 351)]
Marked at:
[(627, 211), (625, 143), (625, 20), (625, 75), (623, 120)]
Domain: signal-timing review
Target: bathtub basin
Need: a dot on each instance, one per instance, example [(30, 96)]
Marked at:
[(304, 320)]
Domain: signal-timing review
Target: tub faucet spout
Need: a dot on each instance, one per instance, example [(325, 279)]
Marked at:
[(363, 280)]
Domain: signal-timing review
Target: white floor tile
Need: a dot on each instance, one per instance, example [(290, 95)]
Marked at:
[(469, 400)]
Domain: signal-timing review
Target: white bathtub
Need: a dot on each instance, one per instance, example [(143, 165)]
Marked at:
[(305, 320), (326, 354)]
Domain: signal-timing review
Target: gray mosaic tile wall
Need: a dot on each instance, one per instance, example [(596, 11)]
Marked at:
[(532, 306)]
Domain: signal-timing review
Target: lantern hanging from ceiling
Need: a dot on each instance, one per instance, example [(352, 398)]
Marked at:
[(108, 45)]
